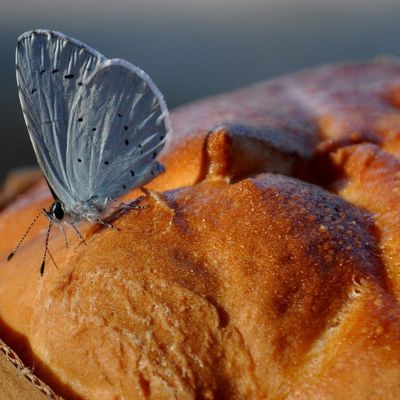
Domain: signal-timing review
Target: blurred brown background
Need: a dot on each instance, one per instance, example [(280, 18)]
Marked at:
[(194, 49)]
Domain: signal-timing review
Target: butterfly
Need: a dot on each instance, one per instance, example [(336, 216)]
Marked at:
[(96, 124)]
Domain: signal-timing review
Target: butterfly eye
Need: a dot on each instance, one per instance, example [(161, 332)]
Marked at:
[(59, 212)]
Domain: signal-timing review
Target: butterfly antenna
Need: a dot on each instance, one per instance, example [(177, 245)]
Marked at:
[(46, 250), (11, 255)]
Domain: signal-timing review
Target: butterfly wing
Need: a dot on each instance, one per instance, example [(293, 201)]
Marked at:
[(117, 127), (51, 70)]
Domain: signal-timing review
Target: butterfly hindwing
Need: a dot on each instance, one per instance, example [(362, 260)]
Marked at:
[(51, 71), (117, 126)]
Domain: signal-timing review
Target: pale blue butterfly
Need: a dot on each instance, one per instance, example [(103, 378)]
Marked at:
[(96, 125)]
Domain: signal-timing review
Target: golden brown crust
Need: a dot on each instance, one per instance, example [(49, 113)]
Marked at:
[(239, 283), (371, 181), (213, 293)]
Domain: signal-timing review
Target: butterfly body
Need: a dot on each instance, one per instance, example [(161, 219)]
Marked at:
[(89, 210)]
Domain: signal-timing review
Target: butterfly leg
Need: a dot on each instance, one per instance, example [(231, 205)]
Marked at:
[(130, 206), (52, 258), (78, 233), (99, 221), (65, 236)]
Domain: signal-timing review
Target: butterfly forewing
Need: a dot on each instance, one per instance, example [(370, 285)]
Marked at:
[(51, 71), (117, 126)]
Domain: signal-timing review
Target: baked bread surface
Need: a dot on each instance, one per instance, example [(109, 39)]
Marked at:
[(263, 264)]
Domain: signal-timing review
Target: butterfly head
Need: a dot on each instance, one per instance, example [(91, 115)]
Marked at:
[(56, 212)]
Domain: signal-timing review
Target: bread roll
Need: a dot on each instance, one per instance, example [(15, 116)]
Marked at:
[(263, 263)]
